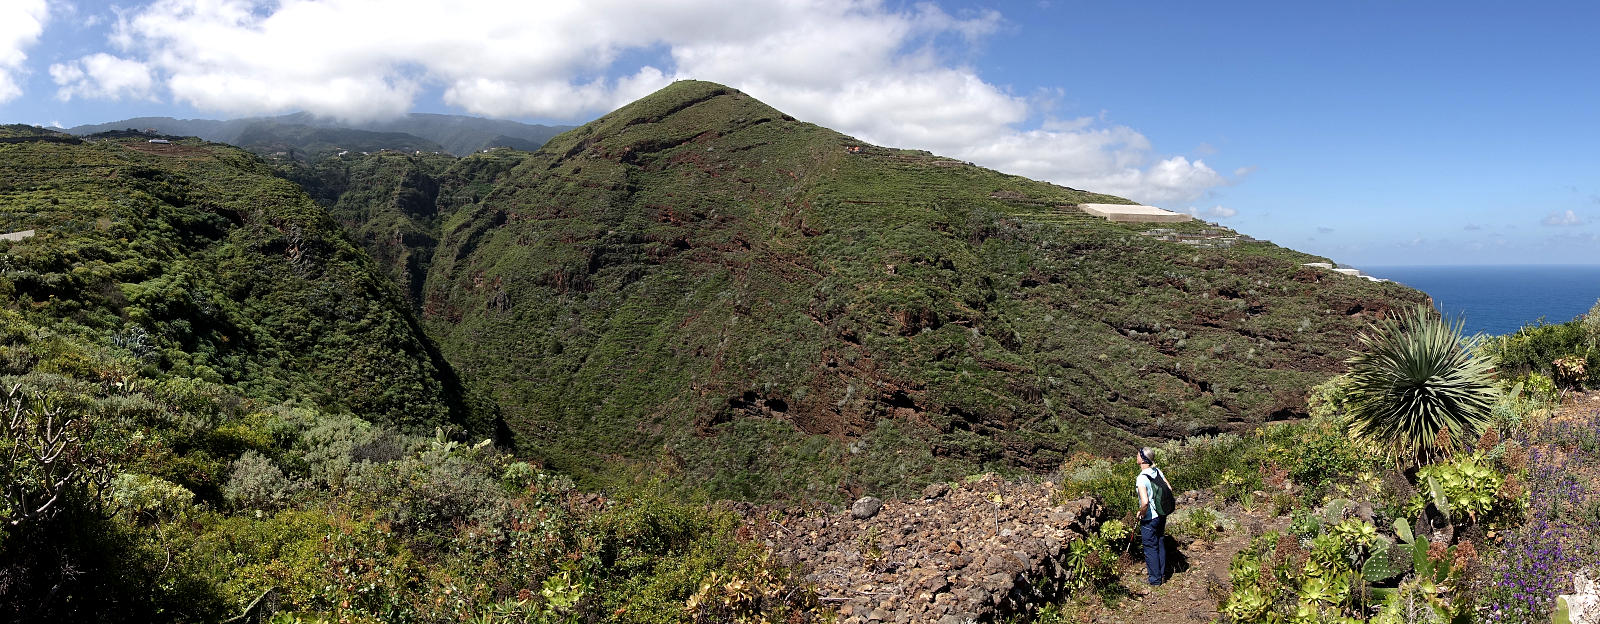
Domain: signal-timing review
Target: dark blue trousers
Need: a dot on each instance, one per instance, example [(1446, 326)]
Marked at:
[(1153, 533)]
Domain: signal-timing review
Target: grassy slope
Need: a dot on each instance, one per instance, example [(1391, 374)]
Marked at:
[(192, 260), (702, 284)]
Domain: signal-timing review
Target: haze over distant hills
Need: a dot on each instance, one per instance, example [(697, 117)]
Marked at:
[(456, 134)]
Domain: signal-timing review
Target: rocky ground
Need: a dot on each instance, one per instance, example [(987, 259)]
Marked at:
[(974, 551), (988, 550)]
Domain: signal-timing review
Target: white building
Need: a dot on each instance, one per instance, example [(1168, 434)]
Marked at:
[(1132, 213)]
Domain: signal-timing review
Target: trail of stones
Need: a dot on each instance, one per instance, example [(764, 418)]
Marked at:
[(977, 551)]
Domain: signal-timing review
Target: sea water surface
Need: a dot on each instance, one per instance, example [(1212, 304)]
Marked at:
[(1501, 299)]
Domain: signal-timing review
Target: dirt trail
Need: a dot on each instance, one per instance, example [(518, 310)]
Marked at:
[(1185, 597), (1577, 405)]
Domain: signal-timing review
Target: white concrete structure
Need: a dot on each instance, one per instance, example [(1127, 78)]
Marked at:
[(1130, 213), (1343, 271), (16, 236)]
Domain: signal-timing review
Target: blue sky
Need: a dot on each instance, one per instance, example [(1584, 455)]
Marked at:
[(1373, 133)]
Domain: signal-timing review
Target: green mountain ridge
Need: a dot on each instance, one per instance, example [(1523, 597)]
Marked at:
[(699, 285), (456, 134)]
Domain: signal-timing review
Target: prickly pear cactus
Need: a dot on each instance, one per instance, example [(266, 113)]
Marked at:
[(1388, 561)]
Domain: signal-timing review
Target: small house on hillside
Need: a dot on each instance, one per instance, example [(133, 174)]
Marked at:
[(1131, 213)]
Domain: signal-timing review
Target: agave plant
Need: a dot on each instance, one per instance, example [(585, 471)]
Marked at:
[(1416, 378)]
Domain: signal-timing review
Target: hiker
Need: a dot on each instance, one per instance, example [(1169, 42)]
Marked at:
[(1153, 492)]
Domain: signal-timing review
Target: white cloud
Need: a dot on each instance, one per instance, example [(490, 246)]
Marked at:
[(1214, 212), (21, 23), (508, 98), (864, 67), (102, 75), (1560, 219)]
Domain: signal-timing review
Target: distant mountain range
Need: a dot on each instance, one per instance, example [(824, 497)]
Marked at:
[(305, 135)]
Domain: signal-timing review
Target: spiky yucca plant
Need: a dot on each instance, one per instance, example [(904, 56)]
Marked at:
[(1415, 376)]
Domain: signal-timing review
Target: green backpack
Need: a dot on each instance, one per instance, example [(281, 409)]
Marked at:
[(1162, 495)]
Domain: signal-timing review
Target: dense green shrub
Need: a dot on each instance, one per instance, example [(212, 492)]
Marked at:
[(1200, 523), (1535, 348), (1203, 462), (326, 442), (1110, 483), (1319, 454), (254, 482), (1591, 327), (1092, 560), (150, 499), (1468, 488)]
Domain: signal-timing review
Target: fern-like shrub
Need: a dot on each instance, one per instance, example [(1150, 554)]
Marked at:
[(1415, 377)]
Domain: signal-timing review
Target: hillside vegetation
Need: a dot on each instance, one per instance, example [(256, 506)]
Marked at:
[(303, 142), (702, 285), (213, 405), (191, 260)]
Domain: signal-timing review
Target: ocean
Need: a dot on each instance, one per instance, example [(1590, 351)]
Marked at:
[(1501, 299)]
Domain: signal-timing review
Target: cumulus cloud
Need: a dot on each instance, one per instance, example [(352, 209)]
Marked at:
[(21, 23), (1561, 219), (1214, 212), (887, 73), (102, 75)]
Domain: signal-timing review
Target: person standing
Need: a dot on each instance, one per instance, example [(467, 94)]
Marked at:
[(1151, 485)]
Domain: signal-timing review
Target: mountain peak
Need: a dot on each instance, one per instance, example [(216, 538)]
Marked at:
[(676, 97), (672, 115)]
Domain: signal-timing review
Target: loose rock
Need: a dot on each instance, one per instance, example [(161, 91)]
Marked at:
[(866, 507)]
